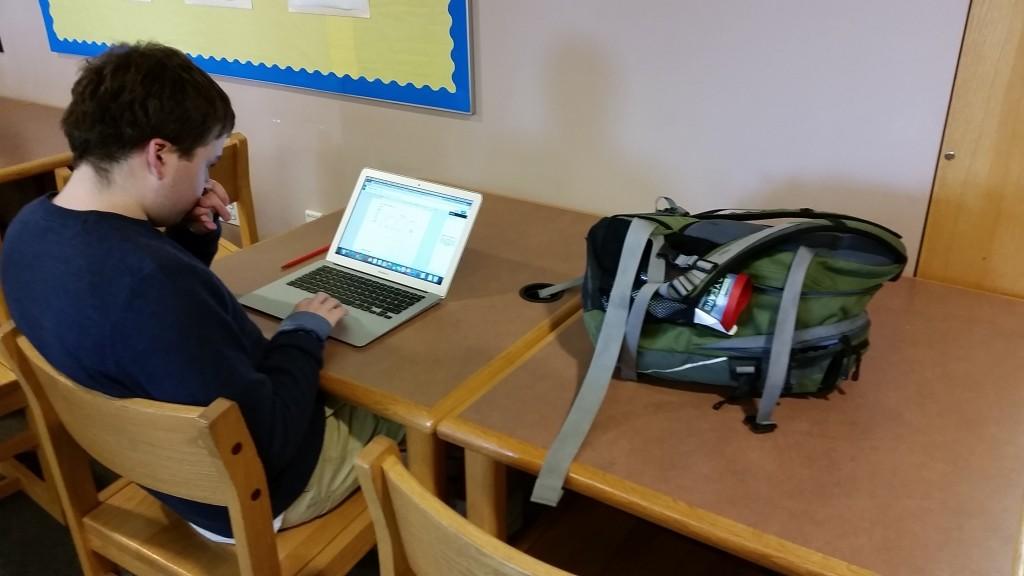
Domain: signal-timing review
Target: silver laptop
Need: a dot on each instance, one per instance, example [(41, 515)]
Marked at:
[(392, 257)]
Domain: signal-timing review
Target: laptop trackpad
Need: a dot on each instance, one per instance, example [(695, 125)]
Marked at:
[(358, 328)]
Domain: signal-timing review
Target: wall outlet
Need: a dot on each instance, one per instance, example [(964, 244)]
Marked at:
[(233, 209), (312, 215)]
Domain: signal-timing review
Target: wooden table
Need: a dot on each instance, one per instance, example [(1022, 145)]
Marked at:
[(917, 469), (31, 140), (423, 370)]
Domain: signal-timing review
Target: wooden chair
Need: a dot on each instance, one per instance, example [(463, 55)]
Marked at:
[(418, 534), (232, 171), (202, 454)]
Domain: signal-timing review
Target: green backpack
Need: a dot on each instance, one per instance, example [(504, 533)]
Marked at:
[(659, 290)]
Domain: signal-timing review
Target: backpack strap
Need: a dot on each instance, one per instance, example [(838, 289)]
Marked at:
[(745, 215), (634, 325), (782, 341), (702, 273), (548, 489), (688, 286), (560, 287), (739, 344), (638, 312)]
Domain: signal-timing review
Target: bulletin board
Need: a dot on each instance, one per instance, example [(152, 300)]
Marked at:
[(412, 52)]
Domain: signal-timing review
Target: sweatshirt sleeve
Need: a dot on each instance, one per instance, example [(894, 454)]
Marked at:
[(202, 246), (178, 336)]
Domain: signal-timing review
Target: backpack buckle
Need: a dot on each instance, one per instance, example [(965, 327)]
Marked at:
[(706, 266), (688, 262)]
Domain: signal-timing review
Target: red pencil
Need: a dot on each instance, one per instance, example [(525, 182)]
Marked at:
[(304, 257)]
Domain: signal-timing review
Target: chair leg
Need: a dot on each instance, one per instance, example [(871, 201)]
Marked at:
[(95, 565), (41, 489), (34, 487)]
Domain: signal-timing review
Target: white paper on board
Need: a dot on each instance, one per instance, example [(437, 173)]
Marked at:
[(350, 8), (243, 4)]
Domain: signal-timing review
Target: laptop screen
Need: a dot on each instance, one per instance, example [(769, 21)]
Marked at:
[(404, 229)]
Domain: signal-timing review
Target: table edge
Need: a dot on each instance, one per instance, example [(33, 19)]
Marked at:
[(723, 533), (426, 419), (489, 375)]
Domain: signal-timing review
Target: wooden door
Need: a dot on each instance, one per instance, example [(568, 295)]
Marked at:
[(974, 236)]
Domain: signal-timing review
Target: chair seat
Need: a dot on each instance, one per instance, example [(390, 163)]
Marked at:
[(135, 530)]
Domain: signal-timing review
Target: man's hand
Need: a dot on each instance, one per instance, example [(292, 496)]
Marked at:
[(325, 306), (214, 200)]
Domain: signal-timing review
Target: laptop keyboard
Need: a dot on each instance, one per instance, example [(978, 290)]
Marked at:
[(357, 291)]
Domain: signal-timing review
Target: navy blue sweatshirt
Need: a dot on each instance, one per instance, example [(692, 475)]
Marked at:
[(127, 310)]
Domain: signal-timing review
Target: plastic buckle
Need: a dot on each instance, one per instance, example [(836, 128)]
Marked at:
[(759, 427), (706, 266)]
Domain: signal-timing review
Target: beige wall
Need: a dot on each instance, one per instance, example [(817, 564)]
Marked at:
[(591, 105)]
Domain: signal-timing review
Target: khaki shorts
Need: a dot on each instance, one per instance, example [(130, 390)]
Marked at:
[(346, 430)]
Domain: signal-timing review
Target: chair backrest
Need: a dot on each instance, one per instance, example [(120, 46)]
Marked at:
[(61, 176), (232, 171), (201, 454), (419, 534)]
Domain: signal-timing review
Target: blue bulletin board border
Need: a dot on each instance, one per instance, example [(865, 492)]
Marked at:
[(440, 99)]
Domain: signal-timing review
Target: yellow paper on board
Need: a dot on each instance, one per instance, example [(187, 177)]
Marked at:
[(407, 41)]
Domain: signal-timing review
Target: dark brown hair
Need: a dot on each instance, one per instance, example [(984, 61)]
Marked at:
[(131, 94)]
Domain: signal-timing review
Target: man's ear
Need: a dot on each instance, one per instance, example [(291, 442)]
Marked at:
[(159, 155)]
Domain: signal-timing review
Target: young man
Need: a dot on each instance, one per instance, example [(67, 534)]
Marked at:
[(132, 311)]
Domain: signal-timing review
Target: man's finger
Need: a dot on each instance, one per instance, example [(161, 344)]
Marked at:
[(211, 202), (218, 190), (221, 206)]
